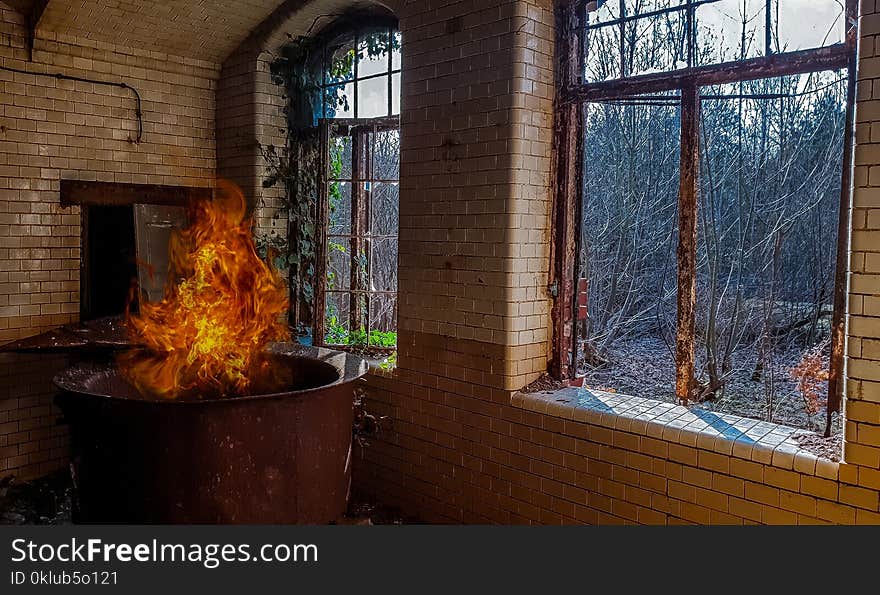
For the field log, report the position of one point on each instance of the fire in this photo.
(223, 304)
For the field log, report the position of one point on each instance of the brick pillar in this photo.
(475, 175)
(862, 405)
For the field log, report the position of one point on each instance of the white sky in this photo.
(803, 23)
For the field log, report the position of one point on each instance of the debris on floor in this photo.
(44, 501)
(48, 500)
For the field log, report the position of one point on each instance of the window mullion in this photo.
(687, 242)
(321, 240)
(844, 223)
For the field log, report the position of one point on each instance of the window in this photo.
(359, 191)
(702, 218)
(361, 75)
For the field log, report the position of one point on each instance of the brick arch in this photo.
(249, 105)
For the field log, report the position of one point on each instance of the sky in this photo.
(804, 23)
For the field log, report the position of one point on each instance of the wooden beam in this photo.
(567, 201)
(76, 192)
(832, 57)
(844, 223)
(322, 220)
(687, 242)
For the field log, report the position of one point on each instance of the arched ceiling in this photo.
(202, 29)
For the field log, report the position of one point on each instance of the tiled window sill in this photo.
(749, 439)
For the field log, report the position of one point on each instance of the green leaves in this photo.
(339, 335)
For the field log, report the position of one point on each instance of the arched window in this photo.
(356, 300)
(361, 73)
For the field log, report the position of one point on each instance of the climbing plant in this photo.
(307, 73)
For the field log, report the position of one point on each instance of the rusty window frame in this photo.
(573, 92)
(360, 237)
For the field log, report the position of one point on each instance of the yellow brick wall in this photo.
(460, 448)
(459, 445)
(475, 167)
(52, 129)
(862, 432)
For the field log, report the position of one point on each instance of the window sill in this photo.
(740, 437)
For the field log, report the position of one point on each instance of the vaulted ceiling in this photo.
(202, 29)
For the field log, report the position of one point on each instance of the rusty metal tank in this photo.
(277, 458)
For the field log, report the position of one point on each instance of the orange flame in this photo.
(222, 306)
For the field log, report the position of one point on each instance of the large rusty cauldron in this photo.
(270, 458)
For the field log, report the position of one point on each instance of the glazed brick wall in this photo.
(52, 129)
(459, 444)
(33, 442)
(862, 432)
(458, 447)
(475, 173)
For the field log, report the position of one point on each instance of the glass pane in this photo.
(730, 30)
(770, 176)
(805, 24)
(628, 265)
(337, 320)
(385, 209)
(655, 44)
(338, 263)
(383, 320)
(339, 61)
(384, 265)
(395, 51)
(340, 158)
(373, 55)
(373, 98)
(386, 156)
(395, 94)
(602, 55)
(650, 44)
(339, 101)
(603, 11)
(339, 207)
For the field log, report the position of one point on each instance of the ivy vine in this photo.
(296, 166)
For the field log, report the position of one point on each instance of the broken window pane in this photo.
(766, 253)
(603, 11)
(383, 320)
(384, 265)
(339, 208)
(655, 44)
(340, 158)
(386, 156)
(338, 318)
(626, 330)
(385, 205)
(730, 30)
(338, 263)
(804, 24)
